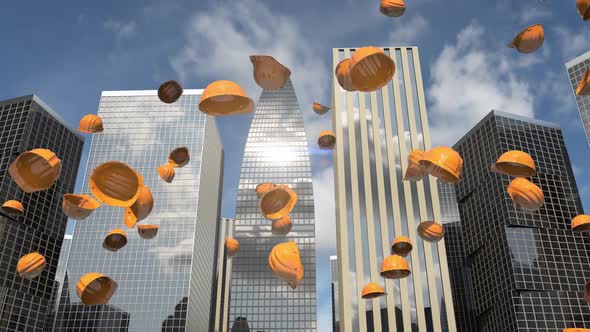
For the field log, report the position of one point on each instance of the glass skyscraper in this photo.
(458, 269)
(334, 286)
(226, 227)
(28, 123)
(164, 283)
(276, 151)
(527, 269)
(575, 70)
(375, 133)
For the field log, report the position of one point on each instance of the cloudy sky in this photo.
(67, 53)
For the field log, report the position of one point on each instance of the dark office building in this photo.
(88, 318)
(27, 123)
(527, 270)
(177, 321)
(458, 270)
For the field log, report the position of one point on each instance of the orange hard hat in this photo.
(319, 108)
(116, 184)
(140, 209)
(35, 170)
(30, 266)
(343, 75)
(282, 226)
(443, 163)
(392, 8)
(115, 240)
(525, 194)
(414, 172)
(225, 98)
(583, 7)
(285, 263)
(431, 231)
(581, 223)
(169, 92)
(529, 39)
(13, 207)
(90, 124)
(372, 290)
(402, 245)
(584, 86)
(269, 74)
(263, 188)
(95, 288)
(278, 202)
(147, 232)
(78, 206)
(166, 172)
(395, 267)
(370, 69)
(232, 246)
(327, 139)
(179, 157)
(515, 163)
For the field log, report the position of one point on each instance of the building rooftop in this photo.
(506, 115)
(577, 60)
(146, 92)
(47, 108)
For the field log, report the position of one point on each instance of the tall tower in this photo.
(172, 274)
(27, 123)
(334, 286)
(276, 151)
(375, 132)
(575, 70)
(528, 270)
(221, 284)
(458, 270)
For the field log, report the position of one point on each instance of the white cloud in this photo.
(175, 257)
(223, 53)
(408, 32)
(572, 43)
(531, 14)
(122, 30)
(561, 95)
(469, 79)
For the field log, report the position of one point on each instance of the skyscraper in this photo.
(458, 269)
(575, 70)
(375, 133)
(276, 151)
(334, 285)
(154, 276)
(28, 123)
(60, 278)
(527, 270)
(226, 228)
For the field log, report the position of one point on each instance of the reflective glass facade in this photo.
(226, 226)
(27, 123)
(334, 285)
(164, 283)
(458, 269)
(375, 133)
(575, 70)
(276, 151)
(527, 270)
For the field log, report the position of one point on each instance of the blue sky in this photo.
(68, 52)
